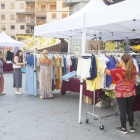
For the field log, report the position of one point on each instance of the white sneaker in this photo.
(18, 93)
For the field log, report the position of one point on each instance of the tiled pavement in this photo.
(24, 117)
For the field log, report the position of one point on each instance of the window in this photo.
(12, 27)
(52, 7)
(63, 5)
(12, 6)
(12, 17)
(3, 27)
(64, 15)
(22, 27)
(21, 5)
(2, 6)
(53, 16)
(2, 17)
(43, 8)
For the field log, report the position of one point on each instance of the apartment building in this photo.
(18, 17)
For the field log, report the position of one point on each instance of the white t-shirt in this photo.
(104, 60)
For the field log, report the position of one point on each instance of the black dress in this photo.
(17, 77)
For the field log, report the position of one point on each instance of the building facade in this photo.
(18, 17)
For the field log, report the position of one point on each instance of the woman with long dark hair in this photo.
(125, 78)
(17, 74)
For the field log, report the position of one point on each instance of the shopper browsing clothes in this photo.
(1, 77)
(17, 74)
(45, 76)
(125, 78)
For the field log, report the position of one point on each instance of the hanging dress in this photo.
(45, 81)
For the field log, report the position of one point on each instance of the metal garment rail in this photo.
(93, 114)
(55, 53)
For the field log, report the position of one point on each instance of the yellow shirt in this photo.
(110, 47)
(95, 83)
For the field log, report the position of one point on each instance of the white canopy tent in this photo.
(5, 40)
(115, 22)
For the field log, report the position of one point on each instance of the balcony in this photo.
(29, 31)
(70, 2)
(27, 0)
(30, 22)
(44, 10)
(40, 21)
(45, 0)
(30, 10)
(20, 21)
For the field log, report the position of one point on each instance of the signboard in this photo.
(77, 50)
(95, 45)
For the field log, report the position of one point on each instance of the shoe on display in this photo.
(120, 129)
(132, 129)
(18, 93)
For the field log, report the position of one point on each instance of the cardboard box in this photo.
(95, 45)
(87, 100)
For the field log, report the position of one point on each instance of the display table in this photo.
(74, 86)
(136, 105)
(7, 67)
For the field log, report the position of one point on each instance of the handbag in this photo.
(16, 67)
(137, 88)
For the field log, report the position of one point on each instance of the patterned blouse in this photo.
(1, 67)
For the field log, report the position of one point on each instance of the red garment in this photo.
(71, 67)
(1, 83)
(123, 88)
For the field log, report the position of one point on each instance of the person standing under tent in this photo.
(17, 74)
(45, 76)
(125, 78)
(1, 77)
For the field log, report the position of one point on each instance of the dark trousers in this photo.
(125, 105)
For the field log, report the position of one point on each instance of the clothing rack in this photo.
(80, 98)
(56, 53)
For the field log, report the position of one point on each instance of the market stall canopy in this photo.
(65, 28)
(115, 22)
(5, 40)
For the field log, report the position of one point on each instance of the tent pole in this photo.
(80, 101)
(34, 70)
(81, 81)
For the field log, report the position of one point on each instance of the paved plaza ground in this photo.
(25, 117)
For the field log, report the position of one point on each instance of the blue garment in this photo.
(1, 67)
(52, 84)
(73, 63)
(136, 58)
(110, 66)
(69, 75)
(64, 68)
(93, 68)
(30, 60)
(29, 85)
(137, 63)
(127, 48)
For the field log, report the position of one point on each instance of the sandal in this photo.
(3, 93)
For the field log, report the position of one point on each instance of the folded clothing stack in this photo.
(69, 75)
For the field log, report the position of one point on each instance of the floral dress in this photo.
(45, 81)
